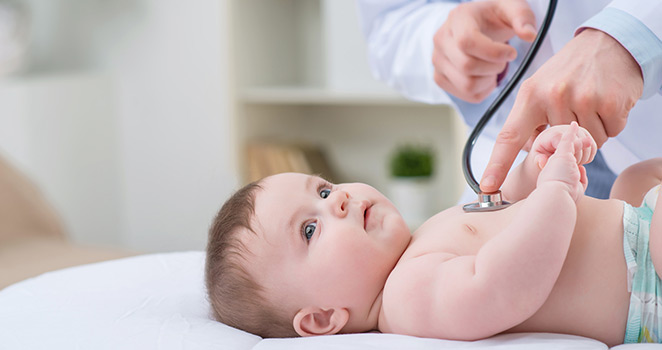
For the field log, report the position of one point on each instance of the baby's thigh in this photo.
(632, 184)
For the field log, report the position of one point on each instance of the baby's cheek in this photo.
(343, 252)
(396, 231)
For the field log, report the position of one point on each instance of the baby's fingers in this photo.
(584, 151)
(587, 155)
(583, 178)
(541, 160)
(580, 151)
(588, 146)
(567, 142)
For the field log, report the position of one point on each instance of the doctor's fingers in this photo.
(603, 116)
(558, 113)
(468, 64)
(472, 89)
(526, 117)
(471, 41)
(613, 112)
(592, 122)
(517, 14)
(466, 87)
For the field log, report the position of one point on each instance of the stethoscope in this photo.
(493, 201)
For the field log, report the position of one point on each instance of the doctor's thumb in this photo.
(521, 19)
(526, 31)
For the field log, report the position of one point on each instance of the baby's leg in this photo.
(632, 184)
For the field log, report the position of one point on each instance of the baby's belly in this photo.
(590, 297)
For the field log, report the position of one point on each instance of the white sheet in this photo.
(158, 302)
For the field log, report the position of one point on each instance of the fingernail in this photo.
(538, 160)
(489, 181)
(530, 28)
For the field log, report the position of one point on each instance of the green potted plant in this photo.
(411, 168)
(412, 161)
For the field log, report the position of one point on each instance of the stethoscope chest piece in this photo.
(487, 202)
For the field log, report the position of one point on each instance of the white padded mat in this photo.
(158, 302)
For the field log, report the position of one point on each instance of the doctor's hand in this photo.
(593, 80)
(470, 48)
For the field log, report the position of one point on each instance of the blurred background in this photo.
(138, 118)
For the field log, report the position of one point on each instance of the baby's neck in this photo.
(376, 312)
(366, 321)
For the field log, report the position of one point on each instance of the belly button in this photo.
(470, 228)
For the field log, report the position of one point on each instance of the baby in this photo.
(295, 255)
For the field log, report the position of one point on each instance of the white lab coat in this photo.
(399, 36)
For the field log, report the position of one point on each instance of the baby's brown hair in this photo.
(236, 298)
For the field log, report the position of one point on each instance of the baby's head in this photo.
(295, 255)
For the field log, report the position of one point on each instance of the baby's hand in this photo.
(547, 142)
(565, 164)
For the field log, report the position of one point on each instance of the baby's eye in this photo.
(325, 193)
(309, 229)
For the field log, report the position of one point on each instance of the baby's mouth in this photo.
(366, 216)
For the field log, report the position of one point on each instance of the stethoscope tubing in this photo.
(498, 101)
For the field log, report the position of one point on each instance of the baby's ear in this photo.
(316, 321)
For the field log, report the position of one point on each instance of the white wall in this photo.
(165, 61)
(62, 130)
(175, 129)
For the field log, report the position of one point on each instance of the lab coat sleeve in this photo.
(399, 36)
(637, 26)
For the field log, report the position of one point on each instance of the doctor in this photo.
(598, 60)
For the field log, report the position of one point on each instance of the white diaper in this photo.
(651, 197)
(644, 323)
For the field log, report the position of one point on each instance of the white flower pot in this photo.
(412, 196)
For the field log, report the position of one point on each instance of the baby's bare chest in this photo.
(458, 233)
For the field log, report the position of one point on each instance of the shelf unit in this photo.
(300, 74)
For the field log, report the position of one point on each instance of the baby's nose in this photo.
(340, 202)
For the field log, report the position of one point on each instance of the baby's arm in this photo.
(473, 297)
(521, 181)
